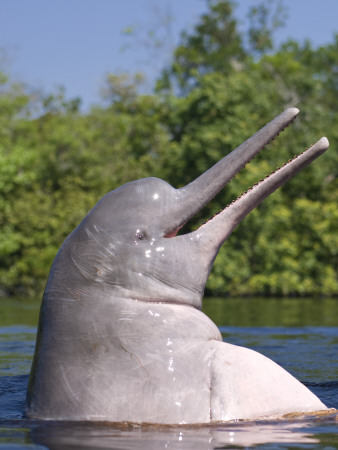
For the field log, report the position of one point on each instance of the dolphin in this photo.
(121, 335)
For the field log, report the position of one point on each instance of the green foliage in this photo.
(215, 44)
(55, 165)
(264, 20)
(54, 168)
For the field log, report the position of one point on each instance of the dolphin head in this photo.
(128, 247)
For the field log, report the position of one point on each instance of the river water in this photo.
(299, 334)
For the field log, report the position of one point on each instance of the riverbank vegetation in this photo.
(222, 85)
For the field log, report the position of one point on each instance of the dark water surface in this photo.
(299, 334)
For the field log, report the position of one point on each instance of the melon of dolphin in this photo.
(121, 336)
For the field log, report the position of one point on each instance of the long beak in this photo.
(218, 229)
(198, 193)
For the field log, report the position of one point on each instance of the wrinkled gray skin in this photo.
(121, 336)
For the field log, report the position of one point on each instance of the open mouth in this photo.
(173, 233)
(201, 191)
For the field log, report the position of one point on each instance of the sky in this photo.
(76, 43)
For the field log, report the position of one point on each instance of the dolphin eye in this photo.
(140, 236)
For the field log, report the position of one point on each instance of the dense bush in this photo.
(55, 165)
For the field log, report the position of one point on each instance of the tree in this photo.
(55, 164)
(218, 108)
(55, 167)
(215, 44)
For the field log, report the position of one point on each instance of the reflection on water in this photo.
(272, 312)
(76, 436)
(103, 436)
(301, 335)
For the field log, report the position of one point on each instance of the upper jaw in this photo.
(194, 196)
